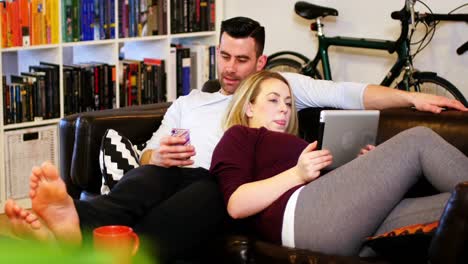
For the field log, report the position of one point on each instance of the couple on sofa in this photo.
(280, 190)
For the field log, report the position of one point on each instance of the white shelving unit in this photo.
(17, 59)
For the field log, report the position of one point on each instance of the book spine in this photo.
(75, 20)
(96, 88)
(48, 21)
(18, 103)
(24, 22)
(164, 15)
(54, 21)
(6, 101)
(204, 15)
(111, 19)
(162, 83)
(185, 16)
(172, 76)
(173, 16)
(212, 70)
(68, 21)
(212, 23)
(186, 65)
(3, 24)
(97, 19)
(15, 23)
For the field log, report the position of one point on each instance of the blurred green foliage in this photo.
(24, 251)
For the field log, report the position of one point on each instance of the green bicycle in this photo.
(411, 79)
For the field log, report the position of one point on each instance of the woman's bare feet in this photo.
(25, 224)
(52, 203)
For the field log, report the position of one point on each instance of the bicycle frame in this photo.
(400, 46)
(412, 80)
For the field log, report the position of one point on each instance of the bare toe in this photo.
(36, 224)
(9, 208)
(50, 171)
(30, 218)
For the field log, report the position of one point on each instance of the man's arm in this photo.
(380, 97)
(347, 95)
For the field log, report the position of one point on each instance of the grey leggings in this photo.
(336, 212)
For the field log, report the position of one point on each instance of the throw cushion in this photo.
(412, 240)
(117, 155)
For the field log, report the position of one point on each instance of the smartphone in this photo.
(181, 132)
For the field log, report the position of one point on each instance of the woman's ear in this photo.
(248, 110)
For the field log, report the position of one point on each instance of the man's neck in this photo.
(222, 91)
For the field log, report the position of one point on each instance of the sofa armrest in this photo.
(67, 139)
(136, 125)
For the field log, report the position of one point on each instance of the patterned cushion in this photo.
(117, 155)
(412, 240)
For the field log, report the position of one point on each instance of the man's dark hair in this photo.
(244, 27)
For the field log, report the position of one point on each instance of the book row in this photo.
(192, 15)
(29, 22)
(88, 20)
(88, 87)
(193, 65)
(35, 95)
(35, 22)
(142, 82)
(142, 18)
(32, 95)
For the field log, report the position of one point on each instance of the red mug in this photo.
(117, 240)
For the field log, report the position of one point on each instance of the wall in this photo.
(360, 18)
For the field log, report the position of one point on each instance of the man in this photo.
(176, 203)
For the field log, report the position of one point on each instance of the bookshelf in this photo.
(17, 59)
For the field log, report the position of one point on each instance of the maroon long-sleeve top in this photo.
(246, 155)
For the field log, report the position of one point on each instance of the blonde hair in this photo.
(247, 92)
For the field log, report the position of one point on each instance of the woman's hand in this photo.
(366, 149)
(311, 162)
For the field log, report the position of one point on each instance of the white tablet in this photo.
(346, 132)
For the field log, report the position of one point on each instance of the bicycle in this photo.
(411, 79)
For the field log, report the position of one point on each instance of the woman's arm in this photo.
(234, 163)
(253, 197)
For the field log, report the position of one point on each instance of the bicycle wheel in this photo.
(430, 83)
(292, 62)
(284, 65)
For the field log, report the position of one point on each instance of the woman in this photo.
(271, 176)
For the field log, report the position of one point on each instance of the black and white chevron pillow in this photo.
(116, 156)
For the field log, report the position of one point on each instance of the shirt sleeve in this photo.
(233, 160)
(171, 119)
(309, 92)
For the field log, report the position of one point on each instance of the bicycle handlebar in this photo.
(462, 48)
(428, 17)
(398, 15)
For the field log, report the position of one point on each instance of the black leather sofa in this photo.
(80, 137)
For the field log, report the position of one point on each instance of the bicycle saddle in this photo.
(310, 11)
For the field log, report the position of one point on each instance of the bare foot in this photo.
(52, 203)
(25, 224)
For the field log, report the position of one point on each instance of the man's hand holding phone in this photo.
(174, 150)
